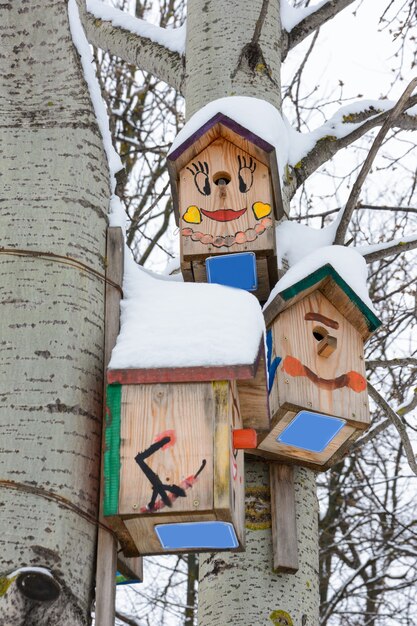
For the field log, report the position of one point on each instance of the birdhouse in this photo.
(226, 195)
(317, 386)
(173, 470)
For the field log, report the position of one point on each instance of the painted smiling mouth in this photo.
(352, 380)
(223, 215)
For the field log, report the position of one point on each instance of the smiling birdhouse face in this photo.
(225, 202)
(226, 196)
(318, 395)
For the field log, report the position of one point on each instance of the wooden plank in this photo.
(253, 397)
(181, 374)
(131, 568)
(283, 518)
(183, 413)
(106, 564)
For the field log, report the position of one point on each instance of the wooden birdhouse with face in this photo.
(173, 475)
(226, 195)
(317, 386)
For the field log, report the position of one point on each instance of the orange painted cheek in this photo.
(356, 382)
(293, 366)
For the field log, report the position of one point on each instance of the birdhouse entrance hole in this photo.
(319, 333)
(222, 178)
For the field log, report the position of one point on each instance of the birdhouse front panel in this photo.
(173, 482)
(318, 391)
(225, 201)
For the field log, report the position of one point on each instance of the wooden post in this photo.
(106, 565)
(283, 519)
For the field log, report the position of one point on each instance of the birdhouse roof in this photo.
(330, 283)
(221, 125)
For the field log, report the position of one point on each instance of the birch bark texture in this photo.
(53, 198)
(234, 48)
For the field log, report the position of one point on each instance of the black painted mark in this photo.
(246, 171)
(158, 487)
(201, 177)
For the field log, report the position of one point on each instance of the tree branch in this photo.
(387, 250)
(408, 361)
(313, 22)
(397, 421)
(126, 619)
(346, 213)
(139, 50)
(326, 147)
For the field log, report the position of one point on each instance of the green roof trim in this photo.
(112, 450)
(323, 272)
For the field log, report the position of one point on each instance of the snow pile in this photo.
(100, 109)
(290, 16)
(258, 116)
(347, 262)
(295, 241)
(173, 39)
(165, 323)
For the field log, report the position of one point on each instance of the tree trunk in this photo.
(234, 48)
(54, 199)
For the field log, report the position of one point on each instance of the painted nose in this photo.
(327, 346)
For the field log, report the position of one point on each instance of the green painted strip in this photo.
(328, 270)
(112, 450)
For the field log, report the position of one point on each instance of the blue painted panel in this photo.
(311, 431)
(203, 535)
(233, 270)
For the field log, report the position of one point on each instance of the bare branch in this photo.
(126, 619)
(327, 147)
(135, 49)
(346, 214)
(397, 421)
(389, 250)
(313, 22)
(408, 361)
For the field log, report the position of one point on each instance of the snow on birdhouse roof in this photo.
(340, 273)
(169, 324)
(253, 119)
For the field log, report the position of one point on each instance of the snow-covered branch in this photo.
(399, 424)
(151, 48)
(384, 250)
(342, 130)
(300, 23)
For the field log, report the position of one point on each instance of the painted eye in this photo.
(247, 167)
(200, 171)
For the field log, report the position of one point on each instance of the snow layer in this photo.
(173, 39)
(87, 61)
(258, 116)
(290, 16)
(347, 262)
(165, 323)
